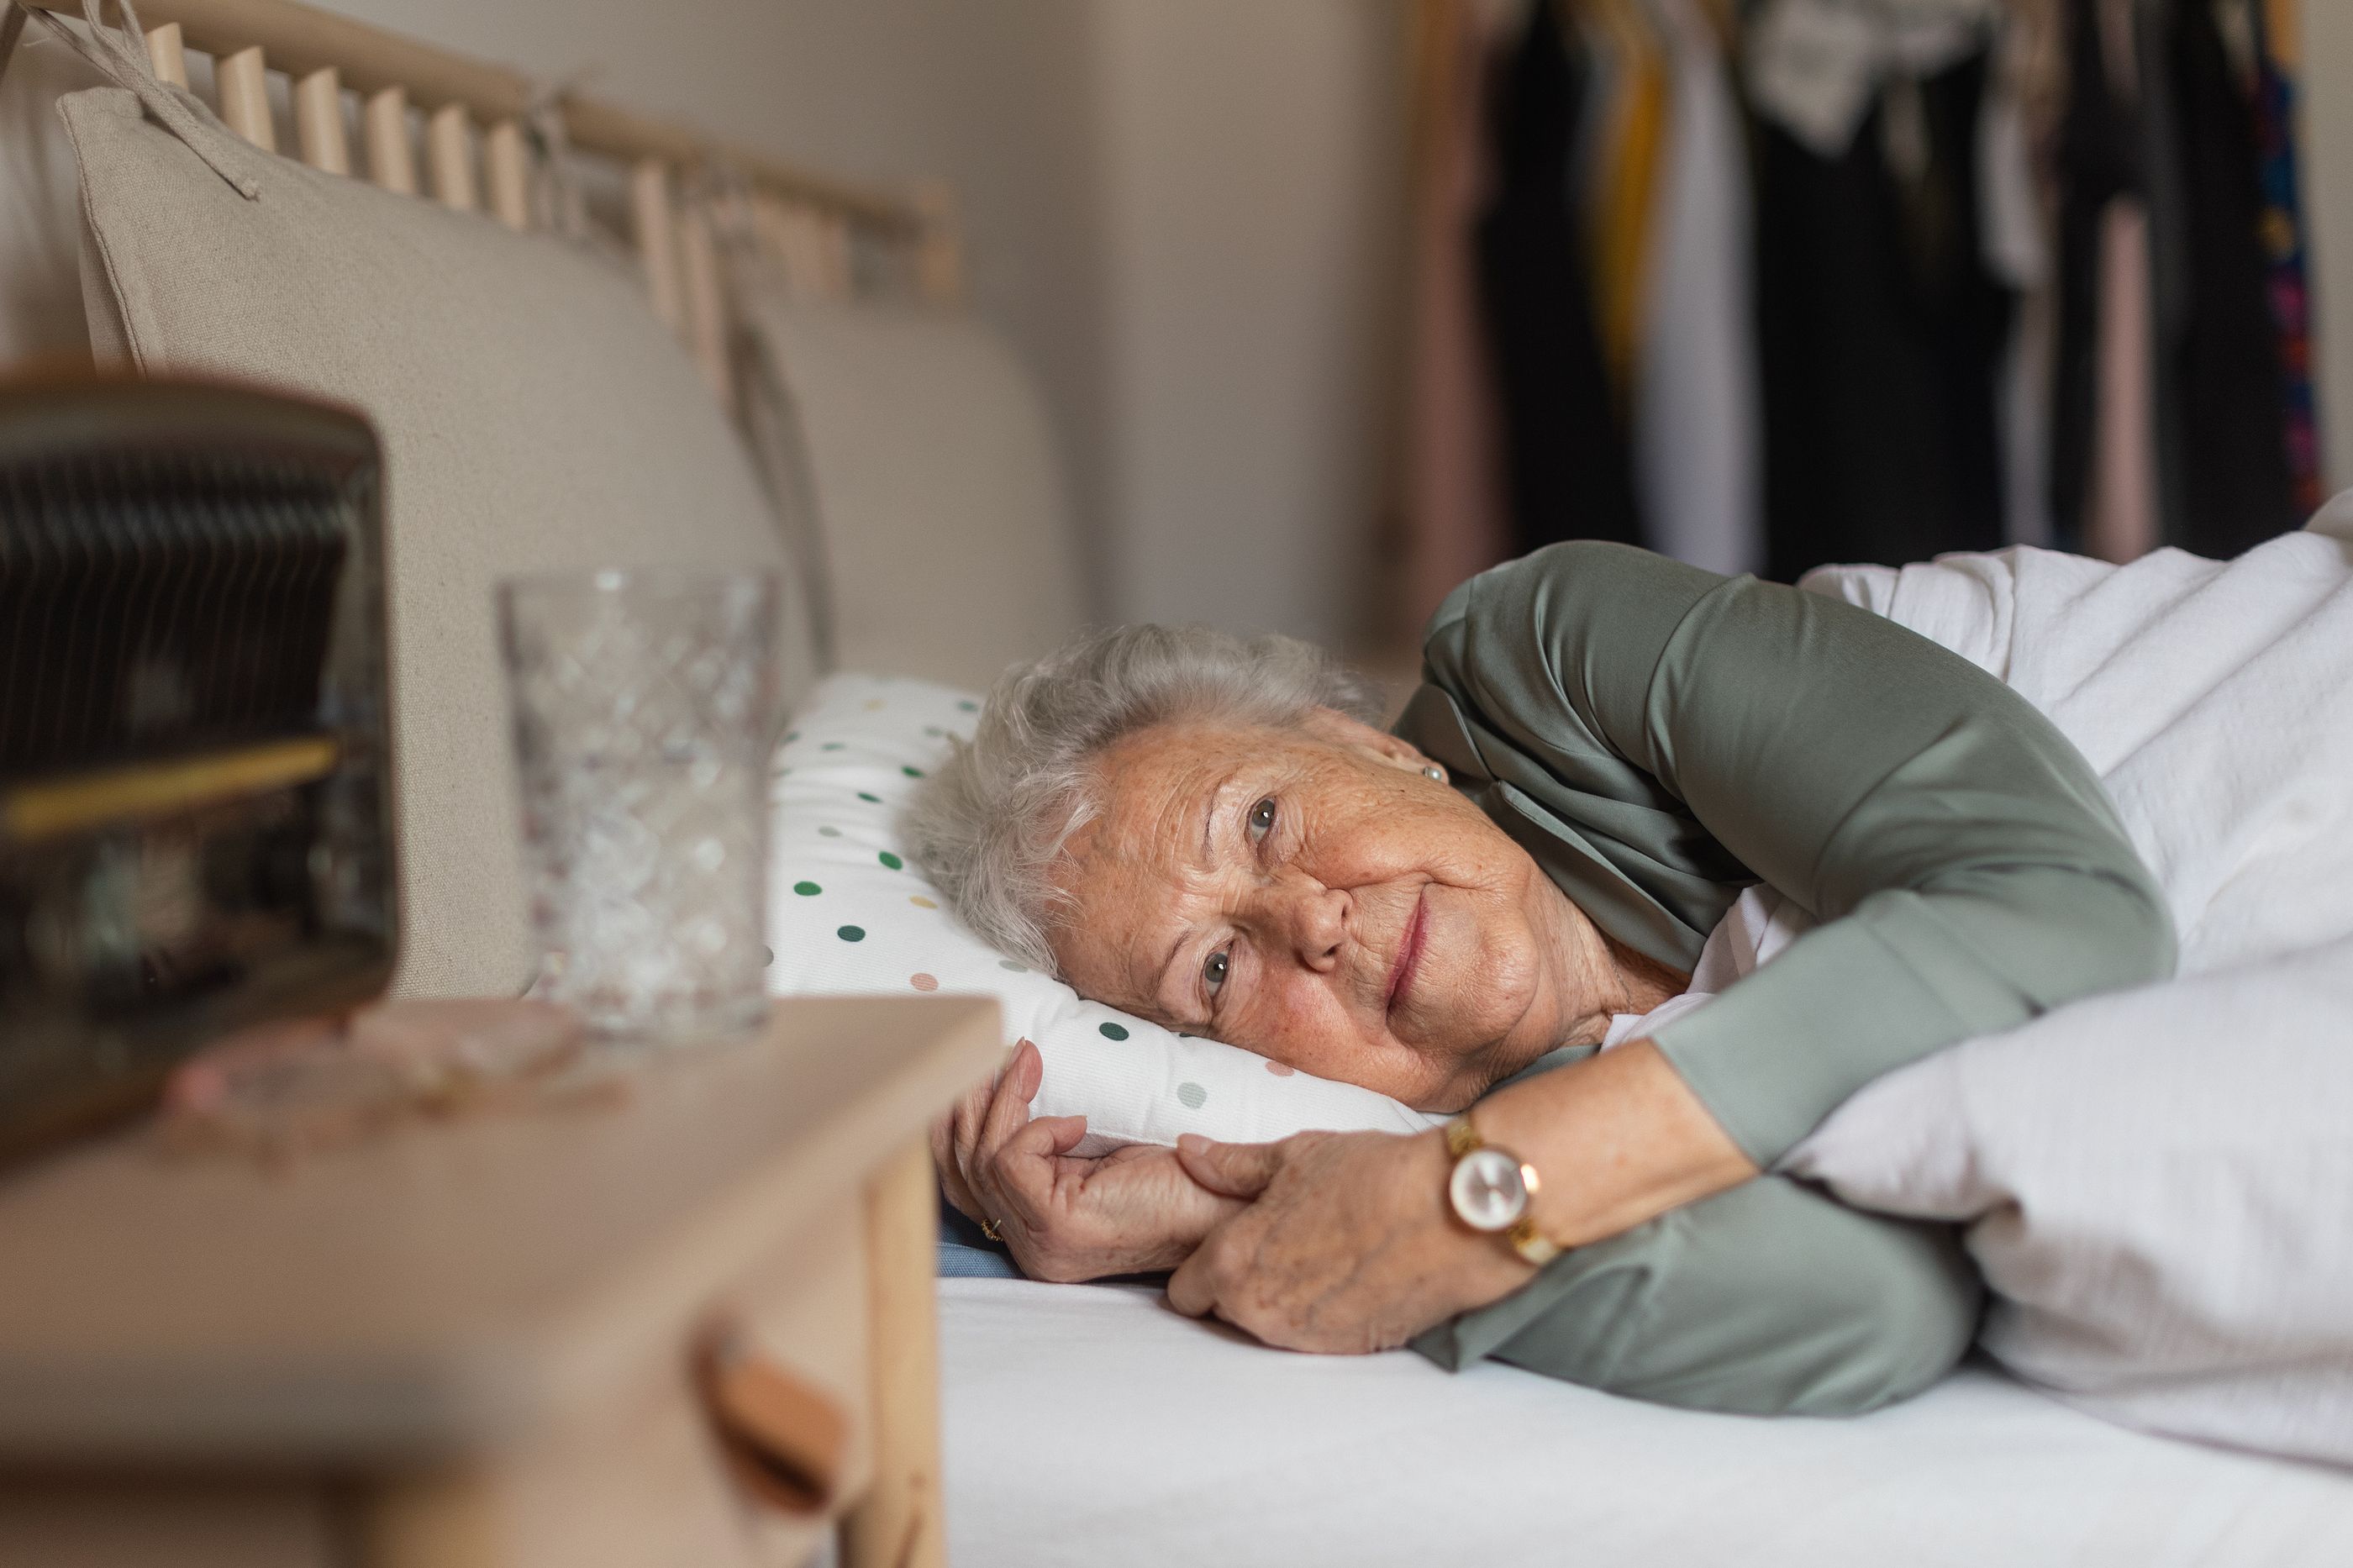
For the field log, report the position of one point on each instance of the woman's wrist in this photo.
(1482, 1264)
(1616, 1139)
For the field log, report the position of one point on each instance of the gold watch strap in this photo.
(1532, 1244)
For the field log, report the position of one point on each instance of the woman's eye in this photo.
(1262, 819)
(1213, 970)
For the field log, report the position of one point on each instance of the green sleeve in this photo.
(1967, 869)
(1766, 1299)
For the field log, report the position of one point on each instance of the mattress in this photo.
(1088, 1424)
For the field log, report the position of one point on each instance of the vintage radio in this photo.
(195, 811)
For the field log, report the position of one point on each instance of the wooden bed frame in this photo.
(484, 140)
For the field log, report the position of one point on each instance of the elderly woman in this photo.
(1607, 748)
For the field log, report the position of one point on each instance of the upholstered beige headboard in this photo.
(476, 136)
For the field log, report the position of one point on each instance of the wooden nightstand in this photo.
(477, 1342)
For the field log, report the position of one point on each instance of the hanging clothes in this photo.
(2104, 423)
(2278, 67)
(2222, 361)
(1567, 474)
(2020, 114)
(1881, 332)
(2120, 521)
(1697, 419)
(1454, 518)
(1628, 133)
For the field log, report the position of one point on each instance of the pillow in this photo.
(847, 913)
(534, 413)
(925, 456)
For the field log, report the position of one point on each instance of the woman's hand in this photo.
(1346, 1246)
(1066, 1219)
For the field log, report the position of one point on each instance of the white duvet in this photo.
(2158, 1183)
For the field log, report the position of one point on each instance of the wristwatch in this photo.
(1492, 1189)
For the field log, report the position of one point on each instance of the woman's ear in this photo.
(1331, 724)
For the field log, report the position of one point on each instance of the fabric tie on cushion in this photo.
(773, 419)
(555, 197)
(121, 54)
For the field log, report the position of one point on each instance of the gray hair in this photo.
(988, 825)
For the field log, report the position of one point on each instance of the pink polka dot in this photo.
(923, 982)
(1278, 1069)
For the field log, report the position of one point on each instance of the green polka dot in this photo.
(969, 707)
(912, 773)
(792, 734)
(890, 860)
(1192, 1094)
(936, 732)
(829, 832)
(1112, 1031)
(807, 890)
(875, 798)
(830, 746)
(1017, 968)
(852, 933)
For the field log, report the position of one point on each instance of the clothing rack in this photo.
(807, 221)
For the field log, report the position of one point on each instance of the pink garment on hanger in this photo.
(2121, 522)
(1454, 525)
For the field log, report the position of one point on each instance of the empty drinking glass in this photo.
(643, 703)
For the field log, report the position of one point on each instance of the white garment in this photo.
(1696, 424)
(1816, 66)
(1760, 923)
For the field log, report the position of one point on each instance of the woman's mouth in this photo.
(1408, 953)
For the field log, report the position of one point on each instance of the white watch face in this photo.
(1487, 1190)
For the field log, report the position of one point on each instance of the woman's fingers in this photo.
(1236, 1170)
(1193, 1289)
(993, 1124)
(1022, 1169)
(1008, 1110)
(952, 1177)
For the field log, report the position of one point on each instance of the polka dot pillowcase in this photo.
(849, 913)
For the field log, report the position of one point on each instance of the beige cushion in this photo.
(535, 416)
(945, 517)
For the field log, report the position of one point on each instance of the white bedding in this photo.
(2158, 1183)
(1088, 1425)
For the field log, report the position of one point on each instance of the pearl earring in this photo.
(1434, 771)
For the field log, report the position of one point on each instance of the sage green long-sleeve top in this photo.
(1659, 738)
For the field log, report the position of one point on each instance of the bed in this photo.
(1088, 1424)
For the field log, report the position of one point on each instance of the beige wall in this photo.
(1252, 162)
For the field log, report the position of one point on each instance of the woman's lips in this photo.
(1408, 954)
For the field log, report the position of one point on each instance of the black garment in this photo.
(1880, 335)
(2224, 362)
(1567, 473)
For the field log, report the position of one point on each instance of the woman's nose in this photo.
(1314, 919)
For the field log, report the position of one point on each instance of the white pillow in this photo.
(847, 913)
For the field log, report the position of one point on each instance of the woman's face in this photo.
(1310, 895)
